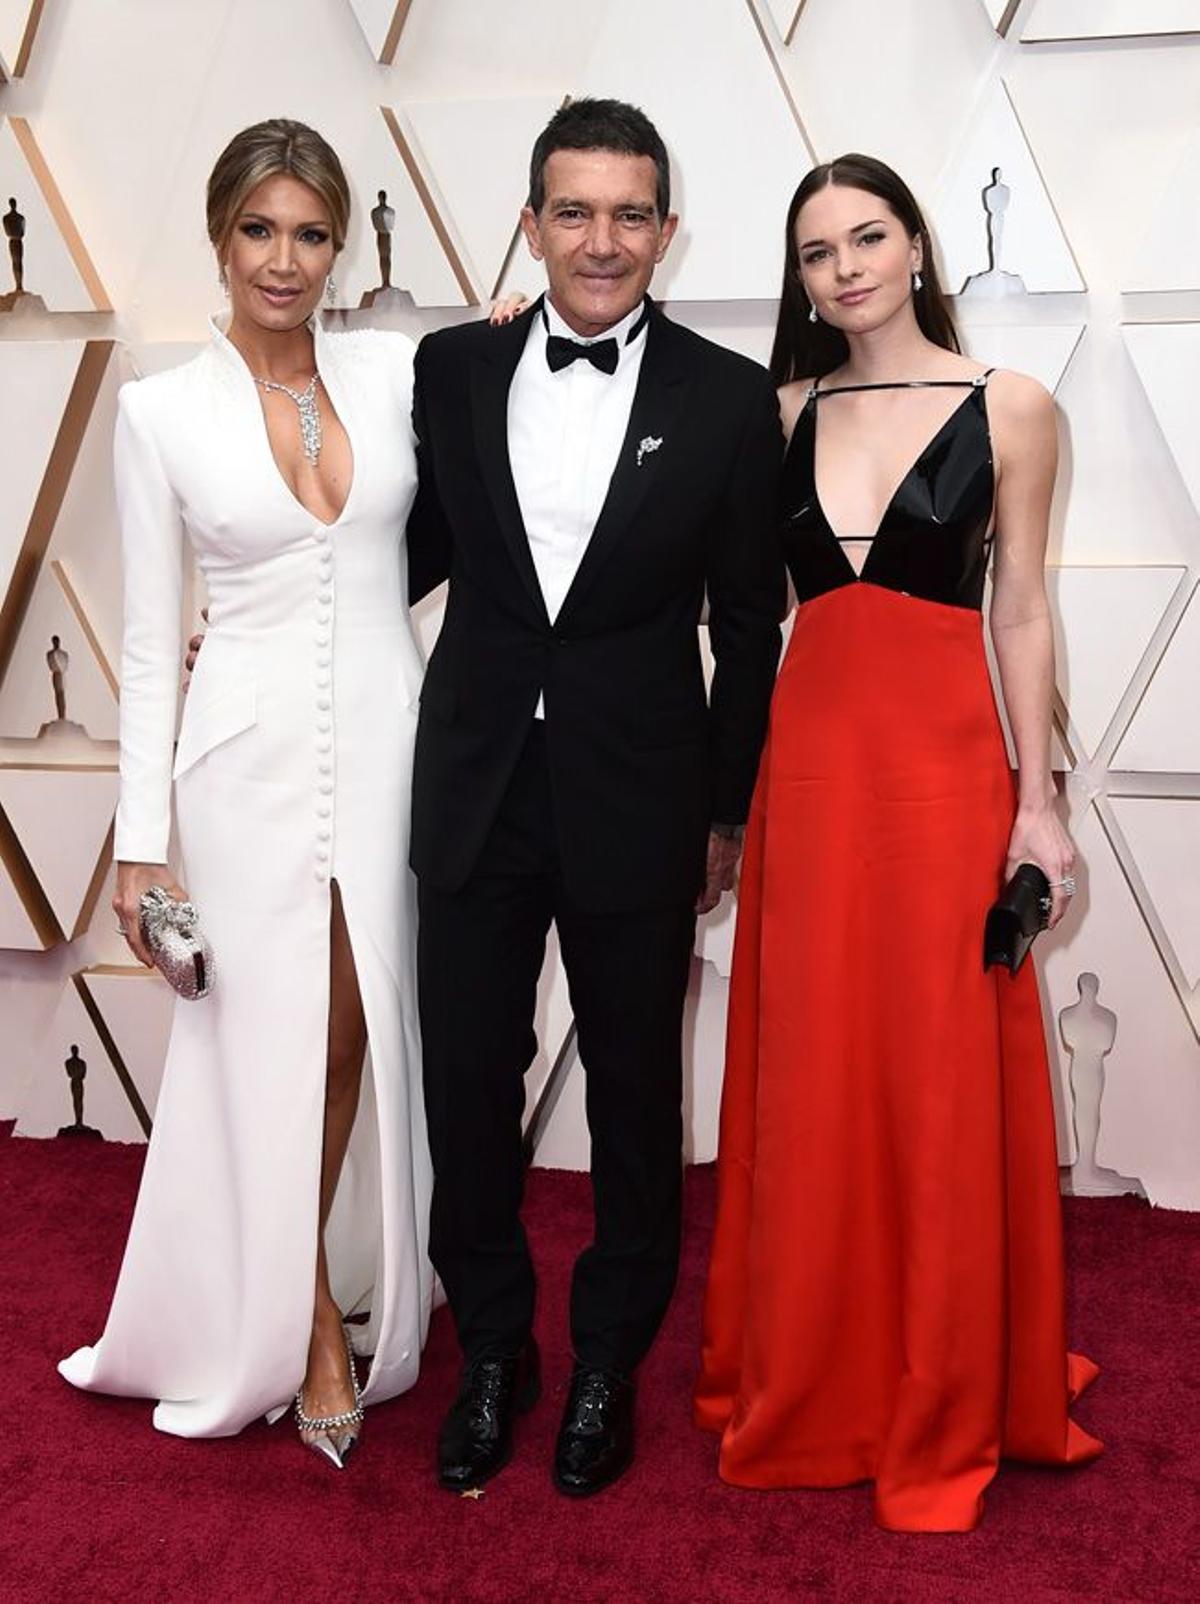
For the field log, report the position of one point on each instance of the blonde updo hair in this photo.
(259, 152)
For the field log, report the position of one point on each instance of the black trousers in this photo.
(480, 951)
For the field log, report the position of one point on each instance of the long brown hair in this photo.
(803, 349)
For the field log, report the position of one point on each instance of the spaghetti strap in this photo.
(905, 384)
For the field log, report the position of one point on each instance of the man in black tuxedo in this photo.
(588, 474)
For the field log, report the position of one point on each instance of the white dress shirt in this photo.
(564, 436)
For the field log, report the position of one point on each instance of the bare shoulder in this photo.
(792, 397)
(1019, 402)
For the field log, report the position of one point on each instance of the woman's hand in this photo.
(193, 650)
(1039, 837)
(132, 880)
(503, 311)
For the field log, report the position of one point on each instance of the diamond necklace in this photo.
(306, 405)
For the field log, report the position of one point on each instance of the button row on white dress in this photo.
(324, 706)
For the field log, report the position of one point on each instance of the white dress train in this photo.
(292, 770)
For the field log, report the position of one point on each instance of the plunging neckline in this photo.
(859, 576)
(287, 489)
(339, 413)
(871, 541)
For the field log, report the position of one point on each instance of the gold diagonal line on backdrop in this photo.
(114, 1054)
(512, 244)
(1004, 22)
(65, 768)
(789, 33)
(84, 622)
(1143, 675)
(784, 87)
(23, 50)
(62, 217)
(28, 887)
(387, 52)
(1049, 193)
(31, 27)
(53, 489)
(470, 295)
(21, 60)
(91, 896)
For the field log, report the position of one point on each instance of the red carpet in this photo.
(95, 1505)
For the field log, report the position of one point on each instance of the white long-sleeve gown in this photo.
(293, 769)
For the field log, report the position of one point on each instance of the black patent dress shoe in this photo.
(595, 1440)
(476, 1436)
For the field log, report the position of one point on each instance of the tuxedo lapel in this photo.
(491, 379)
(646, 451)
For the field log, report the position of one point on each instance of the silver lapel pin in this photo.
(646, 446)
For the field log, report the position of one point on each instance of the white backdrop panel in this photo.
(16, 927)
(1043, 351)
(483, 182)
(1162, 833)
(736, 151)
(132, 102)
(1109, 19)
(848, 59)
(1093, 664)
(1162, 737)
(1151, 1109)
(1033, 245)
(35, 381)
(1167, 358)
(27, 692)
(46, 1106)
(49, 268)
(38, 802)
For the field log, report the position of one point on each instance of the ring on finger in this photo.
(1066, 885)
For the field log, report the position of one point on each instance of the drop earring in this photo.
(223, 282)
(918, 282)
(330, 290)
(812, 314)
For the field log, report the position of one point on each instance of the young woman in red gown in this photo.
(885, 1300)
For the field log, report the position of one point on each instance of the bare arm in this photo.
(1026, 439)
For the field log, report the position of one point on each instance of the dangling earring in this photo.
(330, 290)
(812, 314)
(918, 282)
(223, 282)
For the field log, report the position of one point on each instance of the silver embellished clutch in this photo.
(181, 954)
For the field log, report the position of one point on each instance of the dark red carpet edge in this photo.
(95, 1505)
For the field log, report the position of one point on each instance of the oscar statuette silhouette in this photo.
(76, 1069)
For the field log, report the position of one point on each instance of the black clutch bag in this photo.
(1020, 911)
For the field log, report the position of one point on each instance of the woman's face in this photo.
(856, 258)
(279, 255)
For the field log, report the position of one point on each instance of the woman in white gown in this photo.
(289, 1153)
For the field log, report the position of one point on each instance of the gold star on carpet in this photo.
(472, 1492)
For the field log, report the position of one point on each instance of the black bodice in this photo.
(933, 540)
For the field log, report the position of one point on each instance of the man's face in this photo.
(599, 235)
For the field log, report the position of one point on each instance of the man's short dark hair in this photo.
(612, 125)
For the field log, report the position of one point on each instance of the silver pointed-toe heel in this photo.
(334, 1437)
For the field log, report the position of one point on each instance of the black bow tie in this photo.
(561, 352)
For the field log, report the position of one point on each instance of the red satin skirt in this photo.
(885, 1299)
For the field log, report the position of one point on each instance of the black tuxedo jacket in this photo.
(640, 762)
